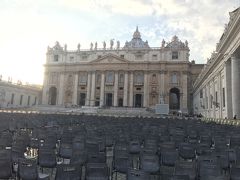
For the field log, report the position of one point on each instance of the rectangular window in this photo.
(71, 58)
(21, 98)
(154, 57)
(84, 57)
(211, 101)
(83, 78)
(110, 77)
(35, 101)
(206, 102)
(55, 58)
(12, 99)
(216, 97)
(201, 93)
(122, 56)
(223, 96)
(138, 57)
(174, 55)
(99, 56)
(29, 98)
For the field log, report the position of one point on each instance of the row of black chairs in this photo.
(142, 148)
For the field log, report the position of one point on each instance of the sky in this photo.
(28, 27)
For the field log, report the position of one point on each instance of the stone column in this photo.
(184, 93)
(45, 89)
(61, 90)
(115, 99)
(219, 82)
(235, 86)
(145, 90)
(214, 99)
(131, 90)
(125, 90)
(88, 89)
(208, 100)
(228, 89)
(75, 90)
(92, 101)
(102, 89)
(162, 88)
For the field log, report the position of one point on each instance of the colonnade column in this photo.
(145, 90)
(102, 89)
(45, 89)
(228, 89)
(162, 88)
(115, 99)
(131, 90)
(88, 89)
(184, 93)
(125, 90)
(61, 89)
(75, 90)
(92, 100)
(235, 86)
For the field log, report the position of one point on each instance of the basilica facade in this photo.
(134, 75)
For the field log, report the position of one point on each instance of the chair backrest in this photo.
(134, 174)
(68, 171)
(27, 169)
(97, 170)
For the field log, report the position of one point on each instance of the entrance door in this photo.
(120, 102)
(52, 96)
(82, 99)
(174, 99)
(109, 99)
(138, 100)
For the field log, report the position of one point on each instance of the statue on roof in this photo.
(78, 47)
(186, 43)
(65, 47)
(118, 44)
(91, 46)
(95, 46)
(111, 43)
(104, 45)
(163, 43)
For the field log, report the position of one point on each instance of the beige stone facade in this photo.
(217, 89)
(18, 95)
(135, 75)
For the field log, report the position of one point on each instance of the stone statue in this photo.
(186, 43)
(95, 46)
(65, 47)
(126, 44)
(111, 43)
(78, 47)
(118, 44)
(163, 43)
(91, 46)
(161, 100)
(146, 43)
(0, 77)
(104, 45)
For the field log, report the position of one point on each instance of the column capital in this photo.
(163, 72)
(234, 56)
(185, 72)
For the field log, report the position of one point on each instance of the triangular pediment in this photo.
(109, 59)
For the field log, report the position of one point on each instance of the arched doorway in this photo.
(174, 99)
(52, 96)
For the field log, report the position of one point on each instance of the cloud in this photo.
(28, 27)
